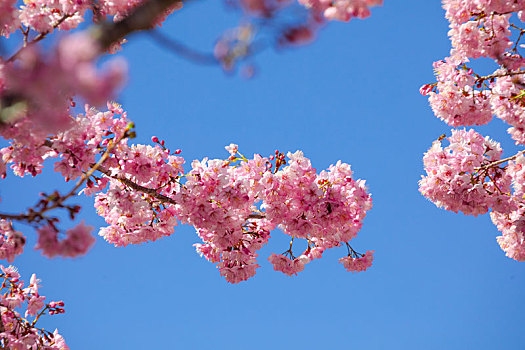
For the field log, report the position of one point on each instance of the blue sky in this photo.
(439, 280)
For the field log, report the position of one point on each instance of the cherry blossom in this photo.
(11, 242)
(21, 332)
(469, 174)
(358, 264)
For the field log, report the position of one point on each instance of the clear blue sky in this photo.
(439, 280)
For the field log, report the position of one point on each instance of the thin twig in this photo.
(149, 191)
(38, 37)
(498, 162)
(153, 192)
(499, 75)
(183, 50)
(31, 215)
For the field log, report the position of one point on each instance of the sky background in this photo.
(439, 279)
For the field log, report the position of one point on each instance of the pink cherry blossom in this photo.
(459, 176)
(358, 264)
(468, 175)
(11, 242)
(23, 333)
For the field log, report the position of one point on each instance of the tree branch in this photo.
(152, 192)
(59, 200)
(141, 18)
(183, 50)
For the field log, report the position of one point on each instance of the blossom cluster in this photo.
(460, 178)
(512, 224)
(41, 86)
(358, 263)
(220, 199)
(11, 242)
(342, 10)
(77, 242)
(76, 150)
(142, 192)
(468, 175)
(17, 331)
(480, 29)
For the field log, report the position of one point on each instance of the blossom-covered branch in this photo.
(466, 175)
(20, 332)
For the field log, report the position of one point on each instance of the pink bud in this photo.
(425, 89)
(178, 151)
(155, 139)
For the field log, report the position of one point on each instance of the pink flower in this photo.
(34, 305)
(358, 264)
(77, 242)
(11, 242)
(232, 149)
(287, 266)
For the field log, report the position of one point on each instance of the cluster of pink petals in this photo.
(218, 200)
(341, 10)
(77, 242)
(134, 217)
(76, 147)
(459, 177)
(21, 333)
(11, 242)
(47, 82)
(461, 11)
(486, 37)
(233, 204)
(507, 105)
(221, 201)
(3, 168)
(516, 170)
(479, 28)
(512, 227)
(456, 102)
(9, 20)
(44, 16)
(456, 181)
(512, 224)
(288, 266)
(328, 207)
(358, 264)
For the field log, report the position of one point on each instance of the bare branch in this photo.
(183, 50)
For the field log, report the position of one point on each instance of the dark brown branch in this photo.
(149, 191)
(500, 75)
(152, 192)
(141, 18)
(501, 161)
(183, 50)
